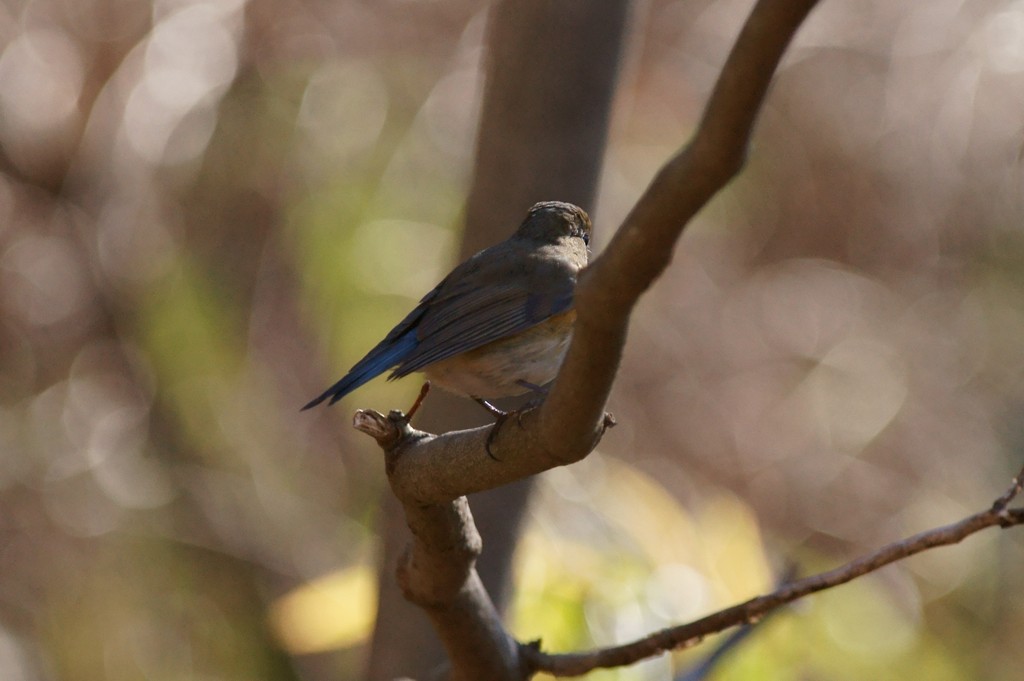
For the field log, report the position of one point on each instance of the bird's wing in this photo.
(386, 354)
(462, 316)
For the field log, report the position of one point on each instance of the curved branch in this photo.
(688, 635)
(430, 474)
(572, 419)
(642, 247)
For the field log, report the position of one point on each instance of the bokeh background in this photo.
(210, 208)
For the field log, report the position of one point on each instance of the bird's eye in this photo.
(581, 233)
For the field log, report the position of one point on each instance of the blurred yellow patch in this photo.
(335, 611)
(611, 555)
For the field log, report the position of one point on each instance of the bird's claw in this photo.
(498, 422)
(500, 416)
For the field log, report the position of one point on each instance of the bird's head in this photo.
(552, 220)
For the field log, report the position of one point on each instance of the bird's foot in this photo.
(501, 416)
(537, 390)
(498, 423)
(491, 409)
(540, 393)
(419, 400)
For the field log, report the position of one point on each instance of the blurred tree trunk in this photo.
(551, 73)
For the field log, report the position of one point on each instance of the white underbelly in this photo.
(502, 368)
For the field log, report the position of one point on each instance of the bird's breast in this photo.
(497, 368)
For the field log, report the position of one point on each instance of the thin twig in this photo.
(688, 635)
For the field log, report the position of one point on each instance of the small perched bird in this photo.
(499, 324)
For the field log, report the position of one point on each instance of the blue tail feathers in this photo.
(386, 355)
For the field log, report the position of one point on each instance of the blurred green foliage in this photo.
(210, 209)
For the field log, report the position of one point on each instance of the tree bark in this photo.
(551, 74)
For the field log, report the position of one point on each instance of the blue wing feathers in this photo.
(387, 354)
(462, 323)
(495, 294)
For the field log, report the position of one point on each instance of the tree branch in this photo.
(642, 247)
(688, 635)
(438, 569)
(542, 131)
(571, 421)
(430, 474)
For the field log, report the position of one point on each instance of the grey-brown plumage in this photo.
(499, 323)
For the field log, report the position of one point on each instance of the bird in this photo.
(499, 324)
